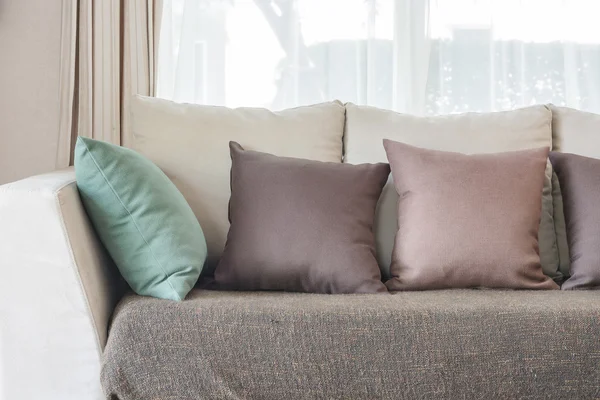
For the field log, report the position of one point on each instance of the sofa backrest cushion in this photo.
(470, 133)
(190, 143)
(575, 131)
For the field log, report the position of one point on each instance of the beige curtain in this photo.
(108, 54)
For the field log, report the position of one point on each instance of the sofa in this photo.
(72, 329)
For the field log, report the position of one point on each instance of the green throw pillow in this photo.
(141, 218)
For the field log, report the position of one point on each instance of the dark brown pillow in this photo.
(301, 225)
(579, 179)
(467, 220)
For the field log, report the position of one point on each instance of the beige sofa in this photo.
(59, 290)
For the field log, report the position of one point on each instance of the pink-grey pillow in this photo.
(579, 179)
(467, 220)
(301, 225)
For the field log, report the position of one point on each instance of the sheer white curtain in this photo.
(418, 56)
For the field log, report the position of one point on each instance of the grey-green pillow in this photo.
(141, 218)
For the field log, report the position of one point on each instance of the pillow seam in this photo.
(132, 219)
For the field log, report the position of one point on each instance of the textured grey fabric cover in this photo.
(455, 344)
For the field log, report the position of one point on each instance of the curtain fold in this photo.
(68, 51)
(412, 47)
(108, 53)
(141, 29)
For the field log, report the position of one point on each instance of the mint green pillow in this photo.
(141, 218)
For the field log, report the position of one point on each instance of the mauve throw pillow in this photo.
(467, 220)
(301, 225)
(579, 179)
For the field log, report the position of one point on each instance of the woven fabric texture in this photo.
(453, 344)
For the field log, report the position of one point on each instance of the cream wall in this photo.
(30, 35)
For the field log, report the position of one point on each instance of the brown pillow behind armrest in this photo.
(579, 179)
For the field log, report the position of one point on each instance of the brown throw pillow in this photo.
(579, 179)
(467, 220)
(301, 225)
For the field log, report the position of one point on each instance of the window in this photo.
(425, 57)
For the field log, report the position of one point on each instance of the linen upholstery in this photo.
(58, 290)
(575, 131)
(580, 181)
(467, 220)
(469, 133)
(301, 225)
(190, 143)
(454, 344)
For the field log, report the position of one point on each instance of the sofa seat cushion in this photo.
(434, 344)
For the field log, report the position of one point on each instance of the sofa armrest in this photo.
(58, 288)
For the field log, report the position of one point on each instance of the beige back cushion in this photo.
(575, 131)
(190, 143)
(471, 133)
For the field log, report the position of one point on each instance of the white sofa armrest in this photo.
(58, 288)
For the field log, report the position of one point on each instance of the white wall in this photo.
(30, 33)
